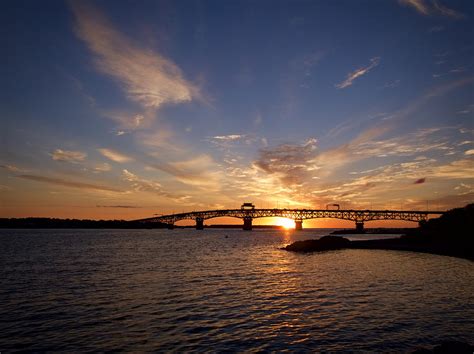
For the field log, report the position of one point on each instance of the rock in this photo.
(448, 347)
(325, 243)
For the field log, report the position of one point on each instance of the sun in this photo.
(286, 223)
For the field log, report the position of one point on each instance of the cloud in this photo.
(459, 169)
(105, 167)
(452, 71)
(346, 152)
(358, 73)
(139, 184)
(66, 183)
(433, 7)
(389, 181)
(115, 156)
(12, 168)
(418, 5)
(436, 29)
(199, 171)
(392, 84)
(443, 10)
(68, 156)
(146, 76)
(229, 143)
(142, 185)
(290, 163)
(163, 138)
(231, 137)
(303, 173)
(127, 121)
(469, 152)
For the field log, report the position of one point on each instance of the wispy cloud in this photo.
(229, 142)
(104, 167)
(68, 156)
(200, 171)
(230, 137)
(358, 73)
(430, 8)
(163, 139)
(146, 76)
(12, 168)
(67, 183)
(127, 121)
(418, 5)
(445, 11)
(469, 152)
(392, 84)
(142, 185)
(436, 29)
(115, 156)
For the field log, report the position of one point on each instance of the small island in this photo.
(449, 235)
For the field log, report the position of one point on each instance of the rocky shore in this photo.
(449, 235)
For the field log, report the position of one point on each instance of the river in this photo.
(223, 290)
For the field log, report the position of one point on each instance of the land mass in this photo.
(52, 223)
(377, 230)
(450, 235)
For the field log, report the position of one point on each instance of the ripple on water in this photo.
(183, 290)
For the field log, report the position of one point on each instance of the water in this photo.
(142, 290)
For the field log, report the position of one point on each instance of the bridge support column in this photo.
(298, 225)
(247, 223)
(199, 224)
(360, 227)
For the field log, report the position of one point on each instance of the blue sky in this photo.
(123, 109)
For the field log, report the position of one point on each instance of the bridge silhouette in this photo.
(298, 215)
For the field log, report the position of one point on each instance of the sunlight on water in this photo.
(142, 290)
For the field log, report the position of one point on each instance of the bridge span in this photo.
(298, 215)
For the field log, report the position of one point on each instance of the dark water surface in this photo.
(136, 290)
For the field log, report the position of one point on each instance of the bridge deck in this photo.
(298, 214)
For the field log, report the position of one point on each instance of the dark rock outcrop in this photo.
(449, 347)
(325, 243)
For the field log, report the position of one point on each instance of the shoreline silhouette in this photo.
(448, 235)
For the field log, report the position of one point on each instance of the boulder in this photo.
(325, 243)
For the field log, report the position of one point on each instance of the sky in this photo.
(123, 109)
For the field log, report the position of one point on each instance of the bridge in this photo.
(298, 215)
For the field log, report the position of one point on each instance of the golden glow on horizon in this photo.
(285, 223)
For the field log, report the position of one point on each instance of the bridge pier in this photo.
(247, 223)
(298, 225)
(199, 224)
(360, 227)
